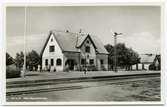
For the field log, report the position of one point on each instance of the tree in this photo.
(19, 60)
(110, 50)
(33, 59)
(132, 58)
(126, 57)
(9, 59)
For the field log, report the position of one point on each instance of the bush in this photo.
(66, 68)
(12, 71)
(92, 68)
(152, 67)
(103, 68)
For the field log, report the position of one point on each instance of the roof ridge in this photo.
(69, 32)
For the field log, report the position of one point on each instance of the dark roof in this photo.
(158, 57)
(69, 41)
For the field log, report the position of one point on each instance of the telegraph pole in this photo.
(25, 29)
(115, 50)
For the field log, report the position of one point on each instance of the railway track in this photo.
(73, 80)
(113, 80)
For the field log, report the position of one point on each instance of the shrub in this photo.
(92, 68)
(12, 71)
(152, 67)
(103, 68)
(66, 68)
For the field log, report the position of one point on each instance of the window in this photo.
(87, 49)
(51, 39)
(58, 62)
(46, 62)
(52, 62)
(83, 61)
(102, 62)
(91, 61)
(51, 48)
(87, 42)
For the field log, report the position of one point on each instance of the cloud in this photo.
(143, 42)
(33, 42)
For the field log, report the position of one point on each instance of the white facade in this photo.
(141, 66)
(88, 55)
(47, 55)
(85, 56)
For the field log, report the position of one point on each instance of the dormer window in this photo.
(52, 48)
(87, 49)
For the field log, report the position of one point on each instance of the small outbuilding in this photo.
(148, 62)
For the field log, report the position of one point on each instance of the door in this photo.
(70, 63)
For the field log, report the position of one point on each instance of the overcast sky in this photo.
(140, 25)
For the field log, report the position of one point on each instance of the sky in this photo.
(140, 25)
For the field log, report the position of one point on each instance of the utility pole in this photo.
(25, 29)
(115, 50)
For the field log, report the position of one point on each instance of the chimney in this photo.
(67, 31)
(80, 30)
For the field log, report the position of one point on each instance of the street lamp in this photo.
(115, 34)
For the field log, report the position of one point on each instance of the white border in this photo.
(155, 3)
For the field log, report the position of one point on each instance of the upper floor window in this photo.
(87, 49)
(52, 48)
(58, 62)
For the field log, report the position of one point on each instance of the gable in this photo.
(88, 38)
(51, 41)
(71, 42)
(88, 43)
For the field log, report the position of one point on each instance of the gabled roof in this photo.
(80, 43)
(147, 58)
(99, 45)
(66, 40)
(80, 39)
(158, 58)
(71, 42)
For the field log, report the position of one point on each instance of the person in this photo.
(39, 68)
(22, 73)
(85, 70)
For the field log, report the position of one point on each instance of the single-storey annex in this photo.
(75, 51)
(148, 60)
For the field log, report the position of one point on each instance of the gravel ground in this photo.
(142, 90)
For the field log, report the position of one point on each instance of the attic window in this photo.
(51, 39)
